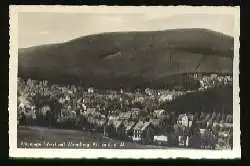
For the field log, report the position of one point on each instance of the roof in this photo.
(92, 111)
(89, 109)
(101, 122)
(138, 125)
(46, 108)
(117, 123)
(141, 126)
(228, 124)
(96, 121)
(91, 120)
(128, 125)
(113, 117)
(189, 116)
(135, 109)
(125, 115)
(145, 125)
(161, 138)
(156, 122)
(159, 112)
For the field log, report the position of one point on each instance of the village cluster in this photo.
(128, 116)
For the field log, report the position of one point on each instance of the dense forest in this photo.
(218, 99)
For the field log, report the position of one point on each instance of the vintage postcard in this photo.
(124, 82)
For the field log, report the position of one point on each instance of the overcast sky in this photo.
(42, 27)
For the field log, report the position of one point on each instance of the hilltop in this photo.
(129, 59)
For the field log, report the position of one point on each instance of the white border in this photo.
(116, 153)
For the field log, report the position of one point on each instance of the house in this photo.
(125, 115)
(158, 125)
(92, 112)
(213, 75)
(143, 114)
(90, 90)
(143, 132)
(119, 128)
(30, 114)
(115, 128)
(137, 131)
(113, 118)
(95, 123)
(129, 128)
(67, 98)
(197, 75)
(100, 123)
(91, 109)
(135, 110)
(161, 139)
(168, 97)
(23, 102)
(44, 109)
(135, 113)
(148, 91)
(139, 99)
(84, 107)
(229, 118)
(185, 120)
(228, 125)
(61, 100)
(161, 113)
(73, 114)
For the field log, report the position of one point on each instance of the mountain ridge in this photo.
(129, 58)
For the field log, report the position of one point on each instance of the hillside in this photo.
(214, 99)
(129, 59)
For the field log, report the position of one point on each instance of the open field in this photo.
(40, 137)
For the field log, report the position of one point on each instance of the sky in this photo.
(36, 28)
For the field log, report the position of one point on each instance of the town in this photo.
(144, 116)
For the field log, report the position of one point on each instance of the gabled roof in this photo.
(141, 126)
(145, 125)
(117, 123)
(128, 125)
(138, 125)
(101, 122)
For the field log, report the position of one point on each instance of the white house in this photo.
(168, 97)
(90, 90)
(160, 139)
